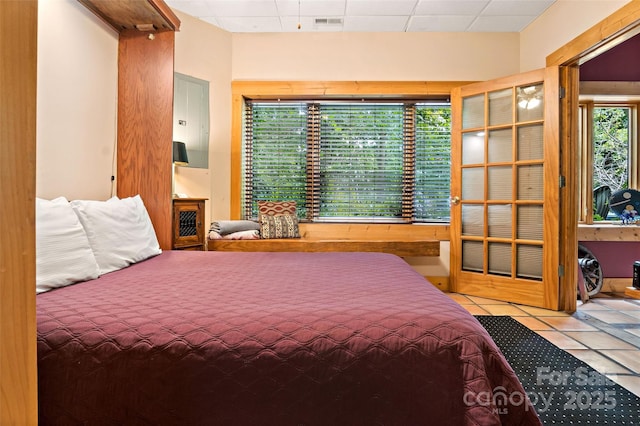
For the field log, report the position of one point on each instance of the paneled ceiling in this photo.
(365, 15)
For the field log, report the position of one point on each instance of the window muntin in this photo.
(349, 161)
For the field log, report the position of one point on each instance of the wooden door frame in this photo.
(608, 33)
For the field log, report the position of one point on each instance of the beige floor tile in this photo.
(593, 306)
(628, 359)
(634, 331)
(631, 304)
(560, 339)
(568, 324)
(630, 383)
(539, 312)
(475, 310)
(599, 362)
(613, 317)
(617, 304)
(634, 314)
(599, 340)
(483, 301)
(532, 323)
(609, 295)
(460, 298)
(510, 310)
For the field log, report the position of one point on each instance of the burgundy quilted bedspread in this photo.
(218, 338)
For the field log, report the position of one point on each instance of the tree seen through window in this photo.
(345, 161)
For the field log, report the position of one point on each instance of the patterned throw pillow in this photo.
(282, 226)
(276, 208)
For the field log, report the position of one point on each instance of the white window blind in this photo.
(275, 154)
(433, 162)
(361, 153)
(349, 161)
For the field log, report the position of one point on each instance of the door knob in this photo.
(455, 200)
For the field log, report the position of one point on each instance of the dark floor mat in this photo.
(563, 389)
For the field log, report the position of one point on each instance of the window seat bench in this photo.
(399, 239)
(400, 248)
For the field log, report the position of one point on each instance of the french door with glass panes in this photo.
(505, 189)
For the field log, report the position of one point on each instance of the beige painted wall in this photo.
(374, 56)
(77, 98)
(561, 23)
(204, 51)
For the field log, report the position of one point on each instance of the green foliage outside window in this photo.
(610, 153)
(279, 154)
(361, 153)
(433, 162)
(350, 161)
(611, 147)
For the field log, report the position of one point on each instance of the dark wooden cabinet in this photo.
(188, 224)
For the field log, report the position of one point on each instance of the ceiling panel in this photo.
(380, 7)
(244, 8)
(440, 23)
(375, 23)
(449, 7)
(490, 23)
(365, 15)
(311, 8)
(516, 7)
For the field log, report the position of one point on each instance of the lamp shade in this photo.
(180, 153)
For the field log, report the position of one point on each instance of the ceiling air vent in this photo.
(327, 21)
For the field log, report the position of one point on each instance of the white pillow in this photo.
(63, 254)
(120, 231)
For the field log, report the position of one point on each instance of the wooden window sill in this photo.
(608, 232)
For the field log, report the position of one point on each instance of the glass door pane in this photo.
(473, 183)
(500, 107)
(502, 182)
(530, 146)
(530, 102)
(500, 259)
(500, 145)
(499, 221)
(473, 220)
(473, 112)
(473, 148)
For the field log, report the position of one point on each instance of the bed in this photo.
(253, 338)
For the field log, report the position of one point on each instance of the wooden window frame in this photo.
(295, 90)
(406, 192)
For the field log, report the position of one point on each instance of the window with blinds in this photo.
(349, 161)
(432, 162)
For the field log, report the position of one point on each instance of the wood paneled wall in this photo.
(18, 57)
(145, 129)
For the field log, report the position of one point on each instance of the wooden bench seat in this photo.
(401, 240)
(400, 248)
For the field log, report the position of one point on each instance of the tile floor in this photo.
(604, 332)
